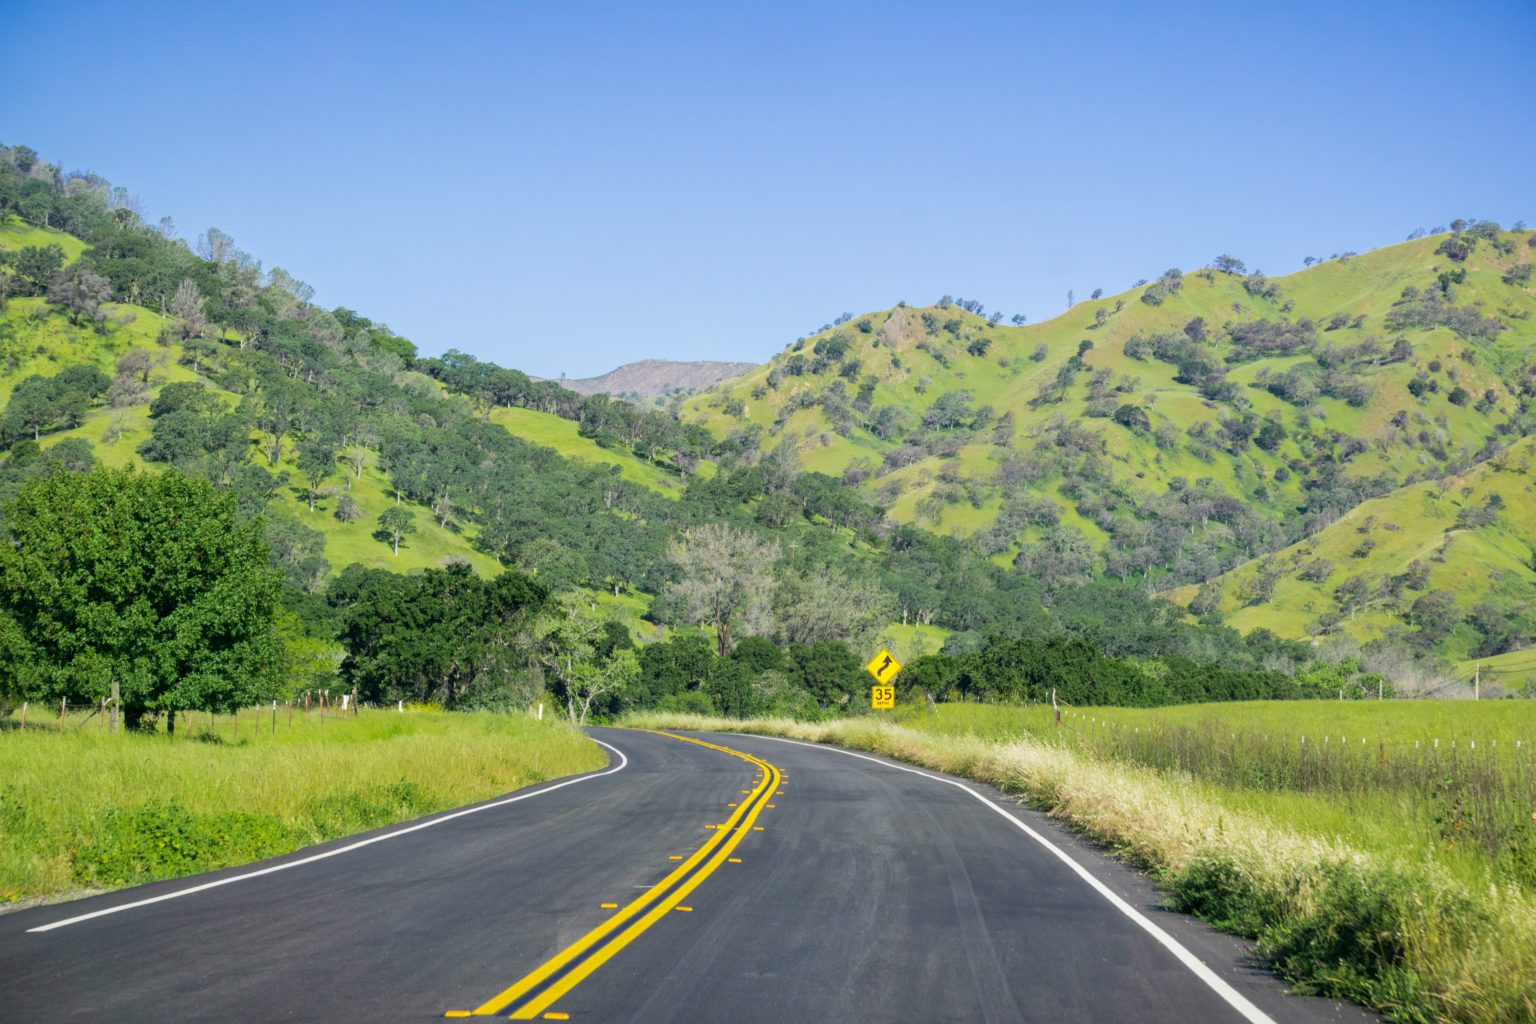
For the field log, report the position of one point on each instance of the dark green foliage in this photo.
(380, 338)
(441, 635)
(1133, 417)
(1432, 308)
(1434, 615)
(296, 550)
(1270, 435)
(35, 268)
(1216, 889)
(680, 664)
(1458, 247)
(191, 431)
(1076, 671)
(148, 580)
(167, 841)
(40, 405)
(1260, 339)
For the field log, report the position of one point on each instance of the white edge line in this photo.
(623, 763)
(1216, 983)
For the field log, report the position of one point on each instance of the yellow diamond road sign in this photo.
(883, 666)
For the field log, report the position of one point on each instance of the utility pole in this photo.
(1477, 682)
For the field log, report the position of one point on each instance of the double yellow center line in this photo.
(536, 992)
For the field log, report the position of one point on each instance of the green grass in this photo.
(564, 437)
(1396, 722)
(1382, 896)
(1454, 782)
(432, 544)
(17, 234)
(912, 641)
(150, 806)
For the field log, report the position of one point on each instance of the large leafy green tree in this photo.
(148, 584)
(443, 635)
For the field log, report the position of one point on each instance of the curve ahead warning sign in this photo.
(883, 667)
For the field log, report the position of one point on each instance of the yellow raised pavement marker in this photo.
(533, 994)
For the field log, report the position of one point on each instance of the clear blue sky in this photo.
(565, 186)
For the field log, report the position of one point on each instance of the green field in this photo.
(1396, 722)
(1453, 780)
(912, 641)
(229, 791)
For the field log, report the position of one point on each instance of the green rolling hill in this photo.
(36, 340)
(934, 402)
(1197, 424)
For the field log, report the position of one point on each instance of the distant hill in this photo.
(657, 378)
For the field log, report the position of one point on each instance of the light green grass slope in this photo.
(17, 234)
(564, 436)
(1007, 378)
(1381, 538)
(32, 340)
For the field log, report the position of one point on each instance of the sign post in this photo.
(883, 666)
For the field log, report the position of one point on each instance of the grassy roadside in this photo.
(1399, 929)
(83, 810)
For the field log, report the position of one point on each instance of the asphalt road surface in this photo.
(717, 879)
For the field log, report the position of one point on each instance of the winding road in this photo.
(699, 878)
